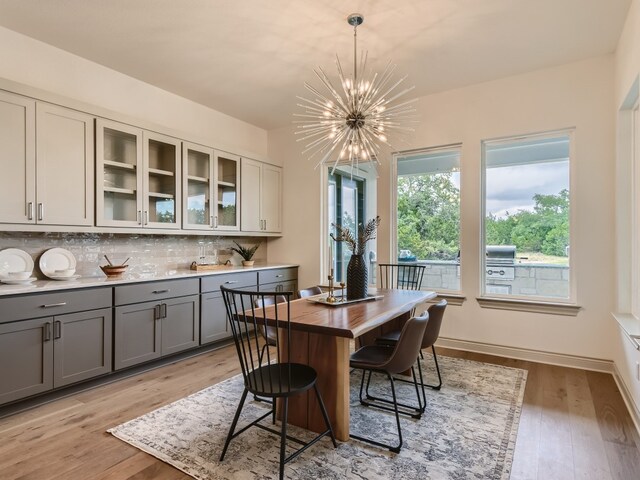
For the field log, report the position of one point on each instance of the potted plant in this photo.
(245, 253)
(357, 272)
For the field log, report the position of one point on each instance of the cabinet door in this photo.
(226, 211)
(250, 202)
(82, 346)
(26, 353)
(136, 335)
(161, 183)
(17, 159)
(271, 205)
(180, 324)
(213, 319)
(197, 187)
(118, 174)
(64, 181)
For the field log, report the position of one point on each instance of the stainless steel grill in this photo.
(501, 260)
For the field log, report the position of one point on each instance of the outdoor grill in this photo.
(500, 262)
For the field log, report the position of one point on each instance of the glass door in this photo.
(118, 180)
(227, 174)
(161, 180)
(197, 184)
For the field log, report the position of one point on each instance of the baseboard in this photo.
(626, 396)
(571, 361)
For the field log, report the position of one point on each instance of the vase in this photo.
(247, 263)
(357, 281)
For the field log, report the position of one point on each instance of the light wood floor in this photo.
(574, 424)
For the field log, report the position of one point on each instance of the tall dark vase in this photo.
(357, 278)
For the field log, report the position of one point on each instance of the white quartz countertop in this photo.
(42, 286)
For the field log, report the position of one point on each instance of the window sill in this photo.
(529, 306)
(451, 298)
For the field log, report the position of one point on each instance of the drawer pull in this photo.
(52, 305)
(230, 282)
(157, 292)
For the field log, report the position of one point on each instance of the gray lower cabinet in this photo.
(213, 324)
(147, 331)
(45, 353)
(278, 280)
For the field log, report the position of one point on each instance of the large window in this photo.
(428, 215)
(526, 237)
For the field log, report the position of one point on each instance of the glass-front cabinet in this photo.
(137, 177)
(210, 186)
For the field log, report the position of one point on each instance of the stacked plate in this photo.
(16, 267)
(58, 264)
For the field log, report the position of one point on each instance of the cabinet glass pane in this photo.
(227, 200)
(198, 187)
(120, 176)
(162, 182)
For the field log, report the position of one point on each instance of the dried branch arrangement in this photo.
(365, 233)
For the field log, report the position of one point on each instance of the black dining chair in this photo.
(309, 292)
(401, 276)
(277, 378)
(431, 333)
(391, 361)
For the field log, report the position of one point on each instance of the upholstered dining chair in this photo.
(391, 360)
(401, 276)
(276, 378)
(431, 333)
(309, 292)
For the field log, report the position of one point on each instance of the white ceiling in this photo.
(249, 58)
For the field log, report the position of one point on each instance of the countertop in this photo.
(41, 286)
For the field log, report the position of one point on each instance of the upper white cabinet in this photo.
(210, 189)
(261, 205)
(47, 172)
(138, 177)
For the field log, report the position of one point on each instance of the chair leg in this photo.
(435, 359)
(361, 387)
(411, 410)
(395, 404)
(424, 395)
(421, 406)
(234, 423)
(326, 416)
(283, 436)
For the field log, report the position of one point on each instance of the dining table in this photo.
(321, 336)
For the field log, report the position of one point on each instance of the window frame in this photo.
(447, 293)
(530, 302)
(635, 210)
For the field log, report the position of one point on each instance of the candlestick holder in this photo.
(331, 298)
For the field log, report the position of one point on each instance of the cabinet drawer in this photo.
(229, 280)
(56, 303)
(277, 275)
(147, 292)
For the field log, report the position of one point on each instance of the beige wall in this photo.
(31, 62)
(627, 67)
(577, 95)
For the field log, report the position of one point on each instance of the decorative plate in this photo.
(56, 259)
(15, 260)
(27, 281)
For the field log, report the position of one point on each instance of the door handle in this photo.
(47, 331)
(30, 211)
(40, 211)
(163, 310)
(57, 329)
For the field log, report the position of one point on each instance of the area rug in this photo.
(467, 432)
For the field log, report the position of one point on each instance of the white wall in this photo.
(577, 95)
(627, 68)
(31, 62)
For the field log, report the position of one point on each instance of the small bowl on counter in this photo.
(114, 270)
(18, 275)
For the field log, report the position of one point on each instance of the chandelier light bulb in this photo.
(351, 121)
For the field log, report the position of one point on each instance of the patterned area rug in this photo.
(468, 431)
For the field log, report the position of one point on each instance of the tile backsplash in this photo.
(150, 254)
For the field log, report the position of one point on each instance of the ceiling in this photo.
(249, 58)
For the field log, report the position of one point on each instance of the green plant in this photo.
(365, 233)
(245, 253)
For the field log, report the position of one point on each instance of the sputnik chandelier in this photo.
(352, 126)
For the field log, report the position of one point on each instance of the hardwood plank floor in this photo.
(574, 424)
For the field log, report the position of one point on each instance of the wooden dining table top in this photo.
(350, 320)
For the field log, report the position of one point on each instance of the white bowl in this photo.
(66, 272)
(18, 275)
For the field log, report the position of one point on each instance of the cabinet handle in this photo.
(229, 282)
(163, 310)
(30, 211)
(160, 291)
(47, 331)
(52, 305)
(265, 225)
(146, 217)
(156, 312)
(57, 329)
(215, 222)
(211, 222)
(139, 217)
(40, 211)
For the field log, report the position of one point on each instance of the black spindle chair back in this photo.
(401, 276)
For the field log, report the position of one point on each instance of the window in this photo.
(351, 201)
(427, 204)
(635, 231)
(526, 231)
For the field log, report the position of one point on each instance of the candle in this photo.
(330, 257)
